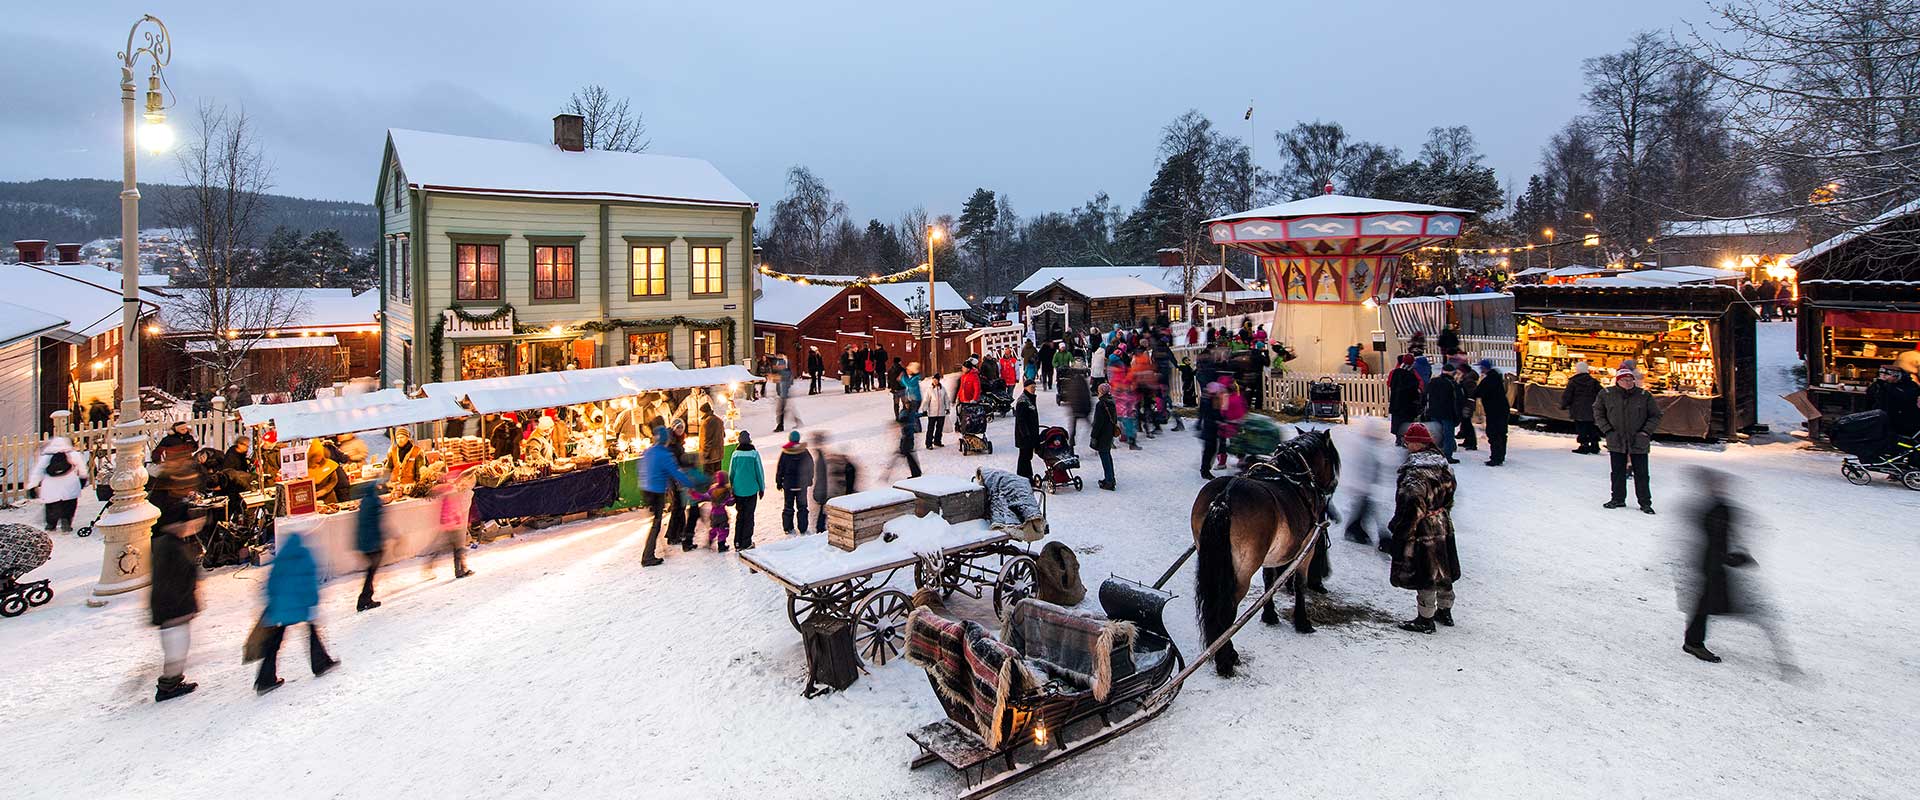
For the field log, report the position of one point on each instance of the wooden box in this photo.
(954, 499)
(860, 517)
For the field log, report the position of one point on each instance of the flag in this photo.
(1249, 115)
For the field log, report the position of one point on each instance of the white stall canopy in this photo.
(327, 416)
(576, 386)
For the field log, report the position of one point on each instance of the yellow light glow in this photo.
(1590, 240)
(155, 135)
(933, 234)
(556, 330)
(1369, 304)
(1040, 735)
(153, 330)
(1588, 216)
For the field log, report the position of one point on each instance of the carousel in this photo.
(1332, 262)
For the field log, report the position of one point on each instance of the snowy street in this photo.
(563, 669)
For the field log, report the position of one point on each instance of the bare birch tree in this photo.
(224, 177)
(609, 123)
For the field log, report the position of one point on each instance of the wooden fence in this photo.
(1365, 395)
(19, 453)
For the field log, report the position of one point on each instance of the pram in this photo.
(1873, 449)
(971, 424)
(23, 548)
(997, 400)
(1324, 401)
(1056, 451)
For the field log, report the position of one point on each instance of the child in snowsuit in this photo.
(718, 497)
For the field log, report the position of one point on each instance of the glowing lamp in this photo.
(154, 134)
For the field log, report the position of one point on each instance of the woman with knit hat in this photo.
(1424, 556)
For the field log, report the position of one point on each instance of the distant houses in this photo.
(49, 367)
(791, 317)
(1054, 299)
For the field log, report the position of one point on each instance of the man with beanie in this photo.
(1491, 391)
(1443, 412)
(1627, 416)
(792, 475)
(1577, 400)
(659, 472)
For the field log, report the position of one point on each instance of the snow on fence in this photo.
(1498, 349)
(1365, 395)
(19, 452)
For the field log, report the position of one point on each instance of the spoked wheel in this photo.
(835, 600)
(947, 582)
(1856, 474)
(84, 531)
(12, 605)
(1911, 479)
(881, 625)
(39, 595)
(1014, 584)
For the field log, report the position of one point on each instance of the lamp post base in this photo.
(126, 529)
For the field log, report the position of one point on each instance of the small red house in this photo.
(791, 317)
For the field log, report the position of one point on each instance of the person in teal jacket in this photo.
(749, 485)
(293, 589)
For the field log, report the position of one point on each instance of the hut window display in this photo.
(1674, 355)
(1855, 344)
(648, 347)
(483, 361)
(554, 355)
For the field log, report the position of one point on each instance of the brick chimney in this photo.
(569, 132)
(32, 251)
(69, 252)
(1170, 256)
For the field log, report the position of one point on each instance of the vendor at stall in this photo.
(404, 463)
(505, 436)
(331, 483)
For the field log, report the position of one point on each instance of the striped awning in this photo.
(1422, 314)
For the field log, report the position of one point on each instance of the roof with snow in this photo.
(20, 322)
(448, 163)
(1095, 287)
(1337, 205)
(1165, 280)
(784, 302)
(1904, 209)
(88, 308)
(151, 284)
(312, 309)
(1752, 226)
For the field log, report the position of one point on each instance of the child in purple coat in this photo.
(718, 497)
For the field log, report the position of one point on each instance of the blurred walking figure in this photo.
(57, 478)
(1716, 591)
(455, 494)
(293, 589)
(175, 594)
(370, 538)
(1577, 400)
(783, 387)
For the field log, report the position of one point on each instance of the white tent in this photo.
(327, 416)
(572, 387)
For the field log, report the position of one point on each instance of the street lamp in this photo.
(1549, 234)
(933, 313)
(127, 525)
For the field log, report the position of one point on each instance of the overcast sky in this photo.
(894, 106)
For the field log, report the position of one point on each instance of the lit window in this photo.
(707, 346)
(709, 272)
(649, 271)
(853, 302)
(646, 348)
(476, 272)
(553, 272)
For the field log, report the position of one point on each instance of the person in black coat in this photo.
(816, 368)
(1577, 400)
(173, 595)
(1101, 438)
(1897, 394)
(793, 475)
(1449, 340)
(1716, 592)
(846, 370)
(1078, 398)
(1026, 428)
(1491, 391)
(1403, 397)
(1443, 412)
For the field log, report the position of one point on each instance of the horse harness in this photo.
(1297, 475)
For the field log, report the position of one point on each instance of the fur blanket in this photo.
(1078, 646)
(972, 670)
(1424, 556)
(23, 548)
(1010, 502)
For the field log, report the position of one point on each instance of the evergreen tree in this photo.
(977, 233)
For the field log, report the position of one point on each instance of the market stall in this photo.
(1693, 345)
(1851, 328)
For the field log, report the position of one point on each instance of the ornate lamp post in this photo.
(127, 527)
(933, 310)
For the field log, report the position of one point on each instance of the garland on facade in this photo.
(728, 325)
(902, 276)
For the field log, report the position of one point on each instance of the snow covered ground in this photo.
(564, 670)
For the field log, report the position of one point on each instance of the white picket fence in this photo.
(1499, 350)
(1364, 395)
(19, 452)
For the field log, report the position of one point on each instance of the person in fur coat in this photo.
(1424, 557)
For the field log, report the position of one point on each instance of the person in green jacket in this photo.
(749, 485)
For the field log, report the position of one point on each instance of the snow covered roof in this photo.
(575, 386)
(385, 408)
(20, 322)
(1714, 273)
(1530, 271)
(1166, 280)
(1097, 287)
(282, 343)
(88, 308)
(104, 278)
(784, 302)
(1338, 204)
(308, 309)
(1574, 271)
(1755, 226)
(1856, 232)
(1239, 295)
(445, 162)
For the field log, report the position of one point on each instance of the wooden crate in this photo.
(954, 499)
(860, 517)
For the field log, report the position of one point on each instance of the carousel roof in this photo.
(1338, 205)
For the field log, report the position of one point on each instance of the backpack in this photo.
(59, 464)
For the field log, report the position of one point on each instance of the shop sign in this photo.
(1586, 322)
(453, 327)
(293, 460)
(300, 499)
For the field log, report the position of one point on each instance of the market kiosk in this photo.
(1693, 346)
(1849, 329)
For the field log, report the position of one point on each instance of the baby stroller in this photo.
(998, 400)
(972, 427)
(1056, 451)
(1873, 450)
(23, 548)
(1324, 401)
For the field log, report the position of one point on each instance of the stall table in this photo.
(412, 526)
(574, 492)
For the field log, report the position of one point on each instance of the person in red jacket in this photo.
(969, 391)
(1009, 372)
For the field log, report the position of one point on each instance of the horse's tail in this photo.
(1215, 582)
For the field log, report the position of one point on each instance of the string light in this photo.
(851, 280)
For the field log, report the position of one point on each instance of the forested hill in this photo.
(84, 209)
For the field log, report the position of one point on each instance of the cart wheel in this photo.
(39, 595)
(84, 532)
(835, 600)
(1911, 480)
(946, 582)
(881, 625)
(1014, 584)
(12, 605)
(1856, 474)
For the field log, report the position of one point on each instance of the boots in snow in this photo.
(260, 688)
(1646, 509)
(1418, 625)
(1614, 504)
(169, 688)
(1701, 652)
(1444, 616)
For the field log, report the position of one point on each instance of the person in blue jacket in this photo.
(370, 539)
(293, 589)
(660, 472)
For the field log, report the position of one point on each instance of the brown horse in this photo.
(1261, 520)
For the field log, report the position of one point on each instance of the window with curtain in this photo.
(649, 270)
(708, 348)
(709, 272)
(646, 348)
(553, 272)
(476, 272)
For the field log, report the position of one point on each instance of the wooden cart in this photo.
(819, 578)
